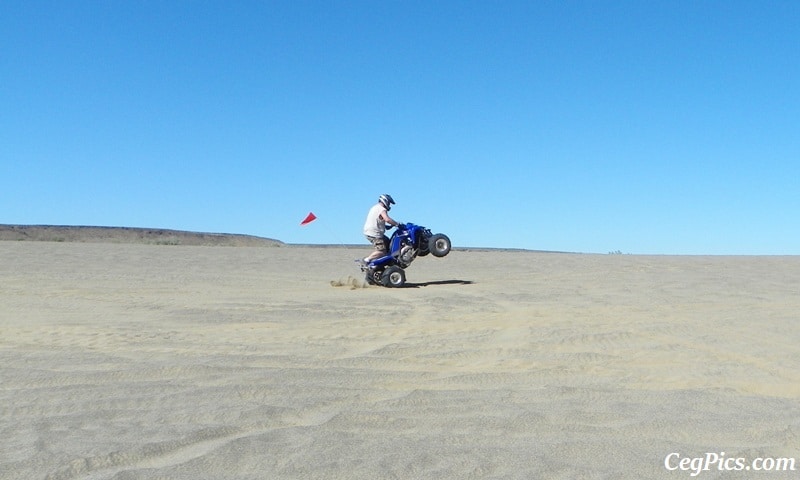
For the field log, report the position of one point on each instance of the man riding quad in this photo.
(375, 227)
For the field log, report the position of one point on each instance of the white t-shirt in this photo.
(374, 226)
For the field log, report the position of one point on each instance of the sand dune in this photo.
(180, 362)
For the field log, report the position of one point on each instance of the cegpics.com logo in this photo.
(721, 463)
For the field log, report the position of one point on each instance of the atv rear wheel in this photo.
(393, 276)
(374, 277)
(439, 245)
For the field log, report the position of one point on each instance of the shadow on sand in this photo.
(438, 282)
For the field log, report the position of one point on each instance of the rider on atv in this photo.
(375, 227)
(386, 265)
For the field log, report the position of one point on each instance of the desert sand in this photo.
(122, 361)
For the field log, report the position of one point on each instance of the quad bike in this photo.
(406, 243)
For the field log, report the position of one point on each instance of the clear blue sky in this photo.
(666, 127)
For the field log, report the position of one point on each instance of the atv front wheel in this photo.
(393, 276)
(423, 247)
(439, 245)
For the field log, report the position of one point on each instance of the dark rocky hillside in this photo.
(152, 236)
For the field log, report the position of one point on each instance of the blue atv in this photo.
(407, 243)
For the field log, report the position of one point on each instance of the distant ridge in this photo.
(149, 236)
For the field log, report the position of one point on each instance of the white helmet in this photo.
(386, 200)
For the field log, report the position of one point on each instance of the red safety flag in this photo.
(310, 218)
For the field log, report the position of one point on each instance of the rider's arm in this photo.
(386, 218)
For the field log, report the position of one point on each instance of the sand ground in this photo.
(177, 362)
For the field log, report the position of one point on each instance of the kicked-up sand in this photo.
(176, 362)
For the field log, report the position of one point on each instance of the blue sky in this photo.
(668, 127)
